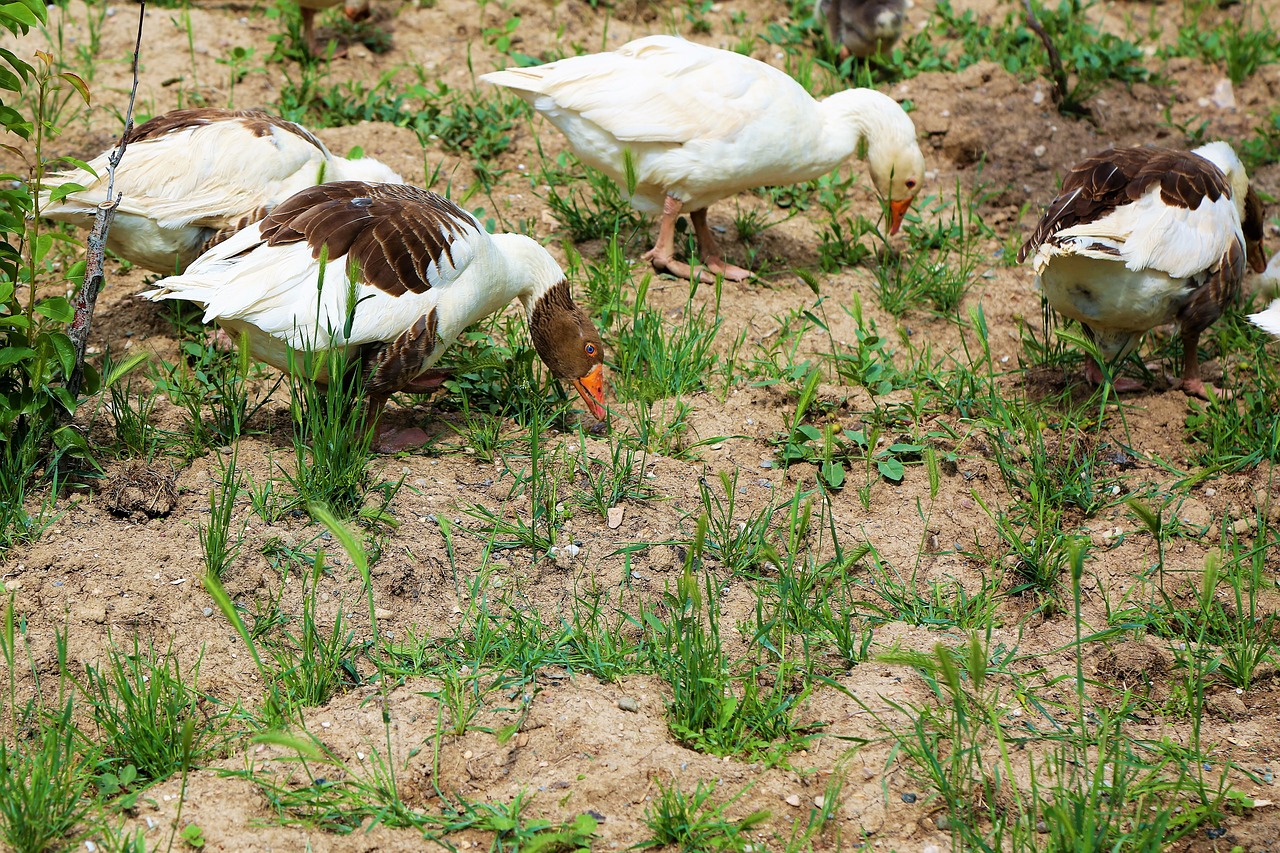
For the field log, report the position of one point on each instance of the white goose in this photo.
(426, 271)
(1138, 237)
(192, 177)
(697, 124)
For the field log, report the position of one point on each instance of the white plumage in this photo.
(1268, 319)
(698, 124)
(284, 308)
(193, 175)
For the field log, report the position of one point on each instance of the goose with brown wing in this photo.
(405, 272)
(1139, 237)
(191, 178)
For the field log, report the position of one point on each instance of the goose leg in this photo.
(662, 255)
(309, 31)
(710, 250)
(1191, 383)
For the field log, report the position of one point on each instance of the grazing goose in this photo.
(862, 28)
(1138, 237)
(693, 124)
(424, 270)
(192, 177)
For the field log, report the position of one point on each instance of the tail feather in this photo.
(1269, 319)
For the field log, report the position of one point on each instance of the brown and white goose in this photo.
(1139, 237)
(693, 124)
(424, 270)
(190, 178)
(862, 28)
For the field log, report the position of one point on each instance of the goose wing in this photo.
(203, 167)
(386, 250)
(1152, 208)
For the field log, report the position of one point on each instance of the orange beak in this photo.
(897, 210)
(591, 387)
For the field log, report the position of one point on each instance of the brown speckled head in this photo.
(569, 344)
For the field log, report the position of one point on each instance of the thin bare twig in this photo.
(87, 298)
(1060, 90)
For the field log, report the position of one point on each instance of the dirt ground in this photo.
(101, 576)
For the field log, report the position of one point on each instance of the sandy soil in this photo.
(103, 576)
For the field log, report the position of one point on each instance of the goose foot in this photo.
(1197, 387)
(428, 381)
(392, 440)
(1121, 384)
(707, 274)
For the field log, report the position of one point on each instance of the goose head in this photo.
(568, 343)
(886, 134)
(897, 170)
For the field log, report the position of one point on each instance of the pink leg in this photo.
(710, 250)
(662, 255)
(1191, 383)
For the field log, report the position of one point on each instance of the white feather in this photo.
(1268, 319)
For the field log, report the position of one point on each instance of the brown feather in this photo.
(259, 123)
(390, 366)
(1118, 176)
(394, 232)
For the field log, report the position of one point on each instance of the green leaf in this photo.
(56, 308)
(20, 13)
(833, 473)
(12, 355)
(64, 349)
(43, 244)
(62, 191)
(892, 469)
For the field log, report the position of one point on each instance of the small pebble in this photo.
(908, 798)
(794, 801)
(942, 822)
(208, 611)
(626, 703)
(1215, 832)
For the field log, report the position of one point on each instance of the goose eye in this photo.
(591, 349)
(911, 185)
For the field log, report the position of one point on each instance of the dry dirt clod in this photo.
(142, 491)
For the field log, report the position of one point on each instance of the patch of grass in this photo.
(656, 358)
(141, 701)
(45, 786)
(717, 705)
(691, 822)
(330, 436)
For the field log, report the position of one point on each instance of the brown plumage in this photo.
(257, 122)
(394, 231)
(1138, 237)
(1097, 186)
